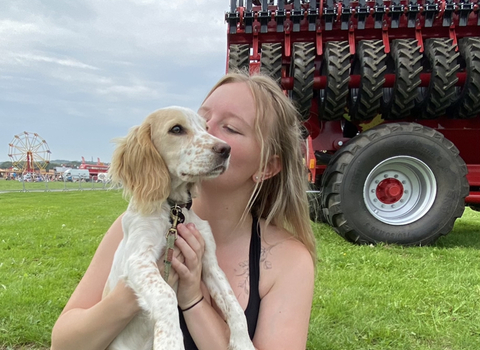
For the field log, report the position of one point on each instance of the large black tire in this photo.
(303, 70)
(468, 103)
(371, 65)
(399, 183)
(398, 101)
(336, 67)
(440, 93)
(271, 61)
(239, 58)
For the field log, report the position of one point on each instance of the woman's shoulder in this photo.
(114, 234)
(283, 257)
(274, 237)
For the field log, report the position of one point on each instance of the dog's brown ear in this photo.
(137, 165)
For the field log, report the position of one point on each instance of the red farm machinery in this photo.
(389, 94)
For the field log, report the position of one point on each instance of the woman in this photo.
(259, 217)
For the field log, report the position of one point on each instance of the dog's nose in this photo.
(222, 149)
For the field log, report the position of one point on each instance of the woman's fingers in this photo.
(193, 237)
(191, 244)
(180, 268)
(178, 255)
(191, 258)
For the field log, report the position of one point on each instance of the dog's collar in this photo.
(187, 205)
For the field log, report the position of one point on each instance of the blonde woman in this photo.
(259, 216)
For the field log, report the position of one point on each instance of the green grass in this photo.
(390, 297)
(382, 297)
(47, 240)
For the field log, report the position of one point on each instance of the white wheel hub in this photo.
(400, 190)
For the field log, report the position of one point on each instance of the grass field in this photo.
(382, 297)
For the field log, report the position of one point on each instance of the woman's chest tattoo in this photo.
(242, 271)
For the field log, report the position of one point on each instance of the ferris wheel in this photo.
(29, 152)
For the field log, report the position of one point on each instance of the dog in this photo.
(157, 163)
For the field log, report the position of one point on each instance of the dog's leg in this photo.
(221, 291)
(157, 298)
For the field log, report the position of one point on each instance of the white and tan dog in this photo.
(160, 160)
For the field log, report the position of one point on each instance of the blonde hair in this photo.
(281, 199)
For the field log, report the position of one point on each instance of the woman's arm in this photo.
(207, 328)
(87, 321)
(285, 309)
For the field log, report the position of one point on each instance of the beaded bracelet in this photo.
(191, 306)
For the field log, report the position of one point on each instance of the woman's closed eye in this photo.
(232, 129)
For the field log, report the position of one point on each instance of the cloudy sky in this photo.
(81, 72)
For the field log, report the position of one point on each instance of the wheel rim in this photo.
(400, 190)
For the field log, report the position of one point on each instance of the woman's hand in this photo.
(188, 265)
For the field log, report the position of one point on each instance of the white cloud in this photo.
(26, 59)
(10, 28)
(136, 91)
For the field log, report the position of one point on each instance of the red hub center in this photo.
(389, 191)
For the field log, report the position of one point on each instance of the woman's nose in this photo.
(210, 127)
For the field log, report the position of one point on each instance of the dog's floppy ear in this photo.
(137, 165)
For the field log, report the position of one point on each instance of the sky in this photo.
(82, 72)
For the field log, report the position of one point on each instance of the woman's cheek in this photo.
(245, 156)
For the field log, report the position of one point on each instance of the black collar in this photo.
(186, 205)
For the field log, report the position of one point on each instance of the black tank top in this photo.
(253, 306)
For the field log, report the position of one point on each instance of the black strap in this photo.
(253, 307)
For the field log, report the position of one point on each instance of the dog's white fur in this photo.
(155, 162)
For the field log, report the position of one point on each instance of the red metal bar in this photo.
(473, 198)
(418, 34)
(312, 163)
(351, 39)
(453, 36)
(385, 37)
(473, 175)
(319, 41)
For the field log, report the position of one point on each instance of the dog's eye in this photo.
(177, 129)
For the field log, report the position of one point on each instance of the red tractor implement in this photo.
(389, 94)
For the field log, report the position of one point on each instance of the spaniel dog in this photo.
(157, 163)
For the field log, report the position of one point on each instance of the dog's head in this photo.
(168, 152)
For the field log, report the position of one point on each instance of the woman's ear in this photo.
(138, 166)
(274, 166)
